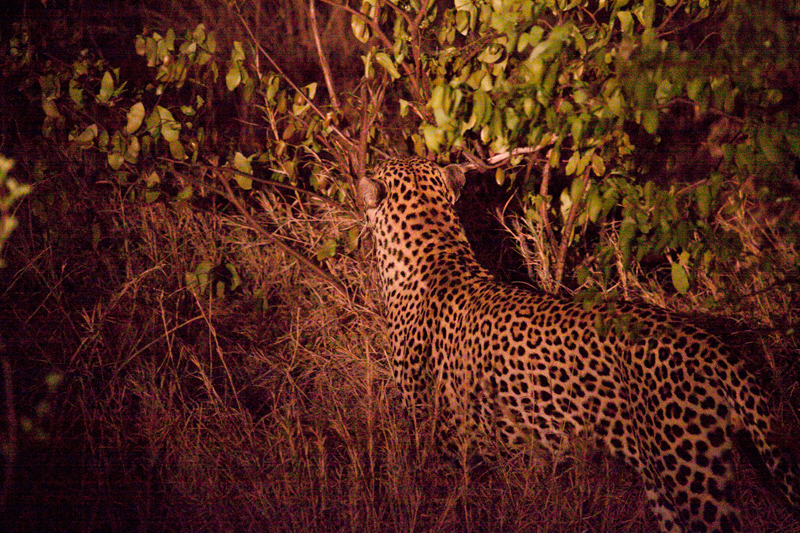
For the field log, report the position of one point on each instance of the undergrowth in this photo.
(267, 407)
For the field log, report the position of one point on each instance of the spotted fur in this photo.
(497, 363)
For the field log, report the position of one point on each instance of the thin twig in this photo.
(271, 183)
(413, 76)
(566, 234)
(423, 9)
(220, 353)
(545, 142)
(323, 58)
(400, 12)
(416, 35)
(252, 224)
(666, 20)
(372, 107)
(275, 66)
(525, 250)
(543, 206)
(305, 261)
(373, 24)
(710, 109)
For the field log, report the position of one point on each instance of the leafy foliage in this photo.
(10, 193)
(590, 94)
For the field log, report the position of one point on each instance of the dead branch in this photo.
(323, 58)
(569, 226)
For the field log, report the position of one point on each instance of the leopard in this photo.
(499, 363)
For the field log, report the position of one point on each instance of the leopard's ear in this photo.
(455, 179)
(369, 193)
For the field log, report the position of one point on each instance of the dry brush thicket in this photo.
(270, 408)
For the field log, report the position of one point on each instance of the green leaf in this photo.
(153, 122)
(234, 77)
(388, 65)
(360, 28)
(169, 40)
(434, 136)
(462, 22)
(703, 196)
(627, 232)
(475, 79)
(140, 45)
(272, 88)
(645, 93)
(481, 108)
(404, 107)
(694, 87)
(548, 84)
(626, 21)
(616, 103)
(665, 91)
(152, 179)
(491, 54)
(186, 193)
(243, 166)
(237, 54)
(593, 204)
(242, 163)
(511, 119)
(327, 250)
(132, 151)
(76, 93)
(170, 128)
(203, 274)
(767, 141)
(680, 279)
(500, 176)
(579, 41)
(598, 165)
(244, 182)
(176, 150)
(86, 138)
(53, 380)
(151, 196)
(576, 191)
(135, 118)
(650, 121)
(106, 88)
(681, 234)
(555, 156)
(576, 128)
(582, 274)
(584, 161)
(116, 160)
(572, 164)
(647, 13)
(311, 90)
(793, 140)
(566, 204)
(102, 139)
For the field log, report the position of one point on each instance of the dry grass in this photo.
(270, 408)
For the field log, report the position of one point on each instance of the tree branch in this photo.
(323, 59)
(543, 211)
(275, 66)
(305, 261)
(569, 225)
